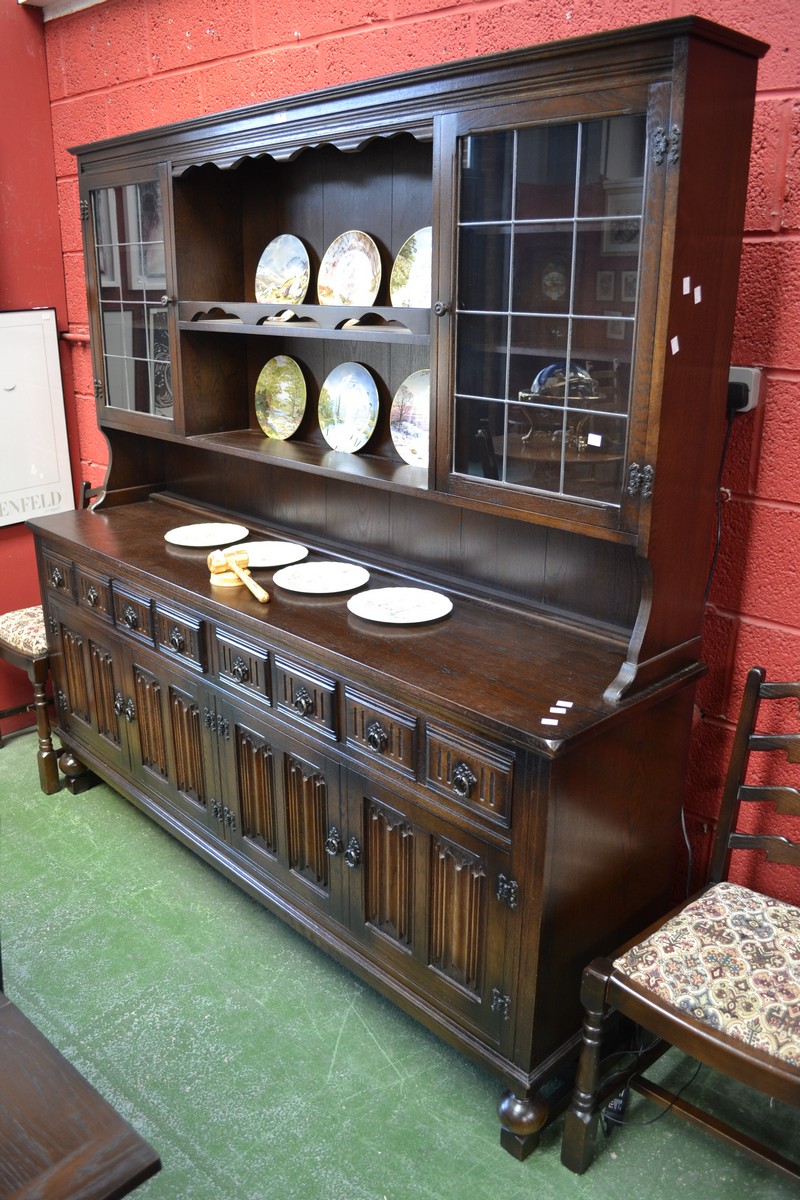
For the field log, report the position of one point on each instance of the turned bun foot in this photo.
(522, 1123)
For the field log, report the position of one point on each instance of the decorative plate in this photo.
(348, 407)
(207, 534)
(280, 397)
(410, 281)
(272, 554)
(321, 578)
(409, 419)
(350, 271)
(400, 606)
(283, 272)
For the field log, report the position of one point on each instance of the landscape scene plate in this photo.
(272, 554)
(348, 407)
(409, 419)
(212, 533)
(283, 272)
(280, 397)
(321, 578)
(350, 271)
(400, 606)
(410, 281)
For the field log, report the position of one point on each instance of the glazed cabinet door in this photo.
(425, 900)
(546, 337)
(127, 253)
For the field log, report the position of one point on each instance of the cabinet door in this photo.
(88, 673)
(556, 207)
(128, 268)
(423, 897)
(284, 799)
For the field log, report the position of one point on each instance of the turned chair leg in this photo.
(583, 1115)
(46, 758)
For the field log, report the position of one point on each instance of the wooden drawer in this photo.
(474, 774)
(93, 592)
(133, 613)
(180, 636)
(241, 666)
(58, 574)
(306, 696)
(381, 731)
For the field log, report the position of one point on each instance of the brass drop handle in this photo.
(377, 737)
(130, 712)
(92, 596)
(240, 670)
(463, 779)
(119, 703)
(333, 842)
(57, 577)
(352, 855)
(303, 702)
(176, 640)
(129, 617)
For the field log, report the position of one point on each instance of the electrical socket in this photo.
(744, 385)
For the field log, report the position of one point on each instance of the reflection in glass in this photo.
(549, 240)
(131, 279)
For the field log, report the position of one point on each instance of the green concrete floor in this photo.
(257, 1067)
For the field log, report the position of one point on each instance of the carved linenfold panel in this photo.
(75, 673)
(186, 729)
(457, 889)
(255, 770)
(389, 860)
(152, 744)
(102, 669)
(307, 820)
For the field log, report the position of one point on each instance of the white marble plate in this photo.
(410, 280)
(273, 553)
(400, 605)
(350, 271)
(212, 533)
(321, 578)
(409, 419)
(283, 272)
(348, 407)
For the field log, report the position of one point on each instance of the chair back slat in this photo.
(777, 849)
(788, 743)
(785, 799)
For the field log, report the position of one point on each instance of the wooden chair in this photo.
(23, 644)
(699, 978)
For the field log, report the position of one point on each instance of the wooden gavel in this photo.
(220, 561)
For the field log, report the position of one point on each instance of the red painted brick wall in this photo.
(130, 64)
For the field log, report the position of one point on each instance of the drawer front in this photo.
(133, 613)
(93, 592)
(384, 733)
(242, 666)
(305, 695)
(58, 574)
(475, 774)
(180, 636)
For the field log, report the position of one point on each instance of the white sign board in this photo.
(35, 474)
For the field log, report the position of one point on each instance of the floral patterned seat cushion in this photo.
(24, 630)
(731, 959)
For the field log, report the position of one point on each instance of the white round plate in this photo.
(400, 606)
(350, 271)
(348, 407)
(321, 578)
(410, 280)
(272, 554)
(208, 534)
(409, 419)
(283, 272)
(280, 397)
